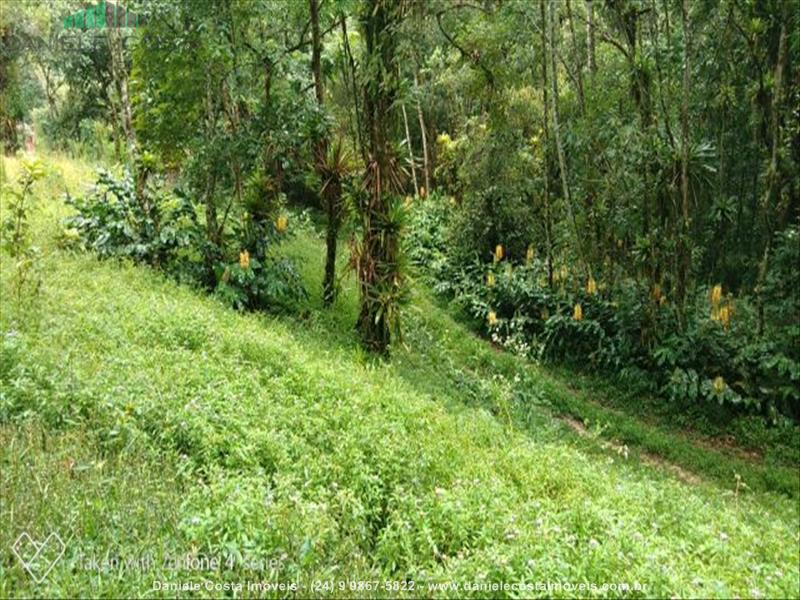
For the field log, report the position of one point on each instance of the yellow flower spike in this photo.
(716, 295)
(719, 384)
(655, 293)
(529, 255)
(725, 316)
(591, 286)
(492, 318)
(577, 313)
(563, 272)
(490, 280)
(244, 259)
(422, 192)
(498, 253)
(281, 223)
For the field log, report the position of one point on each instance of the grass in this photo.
(140, 418)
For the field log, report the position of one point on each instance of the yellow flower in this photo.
(719, 384)
(577, 313)
(422, 192)
(492, 318)
(725, 316)
(281, 223)
(591, 286)
(244, 259)
(498, 253)
(716, 295)
(563, 272)
(529, 254)
(490, 280)
(655, 293)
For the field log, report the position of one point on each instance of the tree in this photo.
(378, 256)
(684, 252)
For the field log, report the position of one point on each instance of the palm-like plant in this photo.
(334, 166)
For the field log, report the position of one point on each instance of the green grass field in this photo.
(145, 422)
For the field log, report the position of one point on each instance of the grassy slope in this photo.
(140, 416)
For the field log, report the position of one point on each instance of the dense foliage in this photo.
(620, 325)
(643, 191)
(398, 295)
(165, 231)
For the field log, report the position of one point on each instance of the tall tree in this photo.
(328, 176)
(425, 157)
(378, 257)
(684, 253)
(590, 53)
(548, 217)
(562, 161)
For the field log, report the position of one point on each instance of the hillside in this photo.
(143, 418)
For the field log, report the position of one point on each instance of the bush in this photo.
(112, 222)
(497, 205)
(624, 328)
(166, 230)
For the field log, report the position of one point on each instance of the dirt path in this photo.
(647, 458)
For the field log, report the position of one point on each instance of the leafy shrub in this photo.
(113, 223)
(497, 204)
(166, 230)
(425, 240)
(623, 327)
(252, 283)
(16, 235)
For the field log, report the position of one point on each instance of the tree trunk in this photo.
(213, 231)
(548, 225)
(330, 193)
(684, 253)
(562, 162)
(771, 200)
(590, 59)
(576, 57)
(410, 151)
(425, 157)
(120, 74)
(378, 254)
